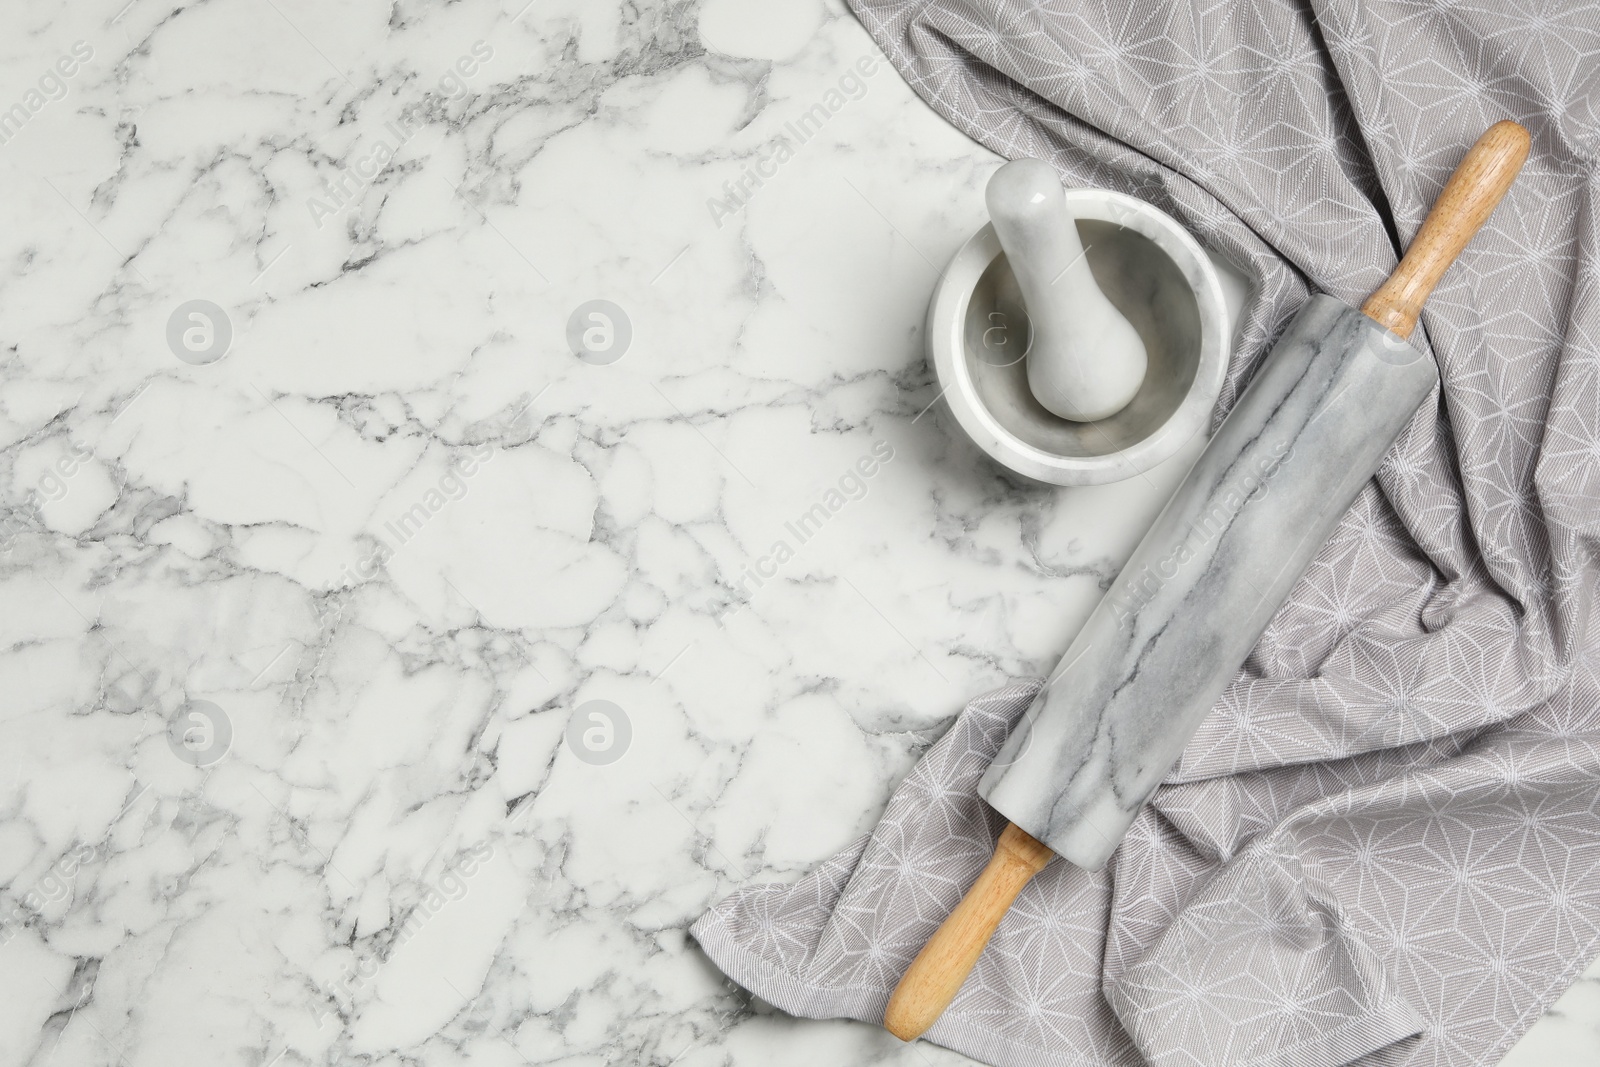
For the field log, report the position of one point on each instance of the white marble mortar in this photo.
(1158, 277)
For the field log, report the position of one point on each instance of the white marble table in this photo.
(370, 551)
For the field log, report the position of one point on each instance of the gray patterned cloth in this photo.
(1383, 846)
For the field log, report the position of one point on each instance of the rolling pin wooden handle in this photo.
(1469, 197)
(932, 980)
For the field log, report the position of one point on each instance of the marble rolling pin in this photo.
(1184, 612)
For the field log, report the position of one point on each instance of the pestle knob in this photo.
(1086, 360)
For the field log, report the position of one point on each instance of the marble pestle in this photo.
(1085, 361)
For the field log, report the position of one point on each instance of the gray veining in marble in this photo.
(1184, 613)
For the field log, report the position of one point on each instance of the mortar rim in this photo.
(947, 311)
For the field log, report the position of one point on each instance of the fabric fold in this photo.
(1262, 966)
